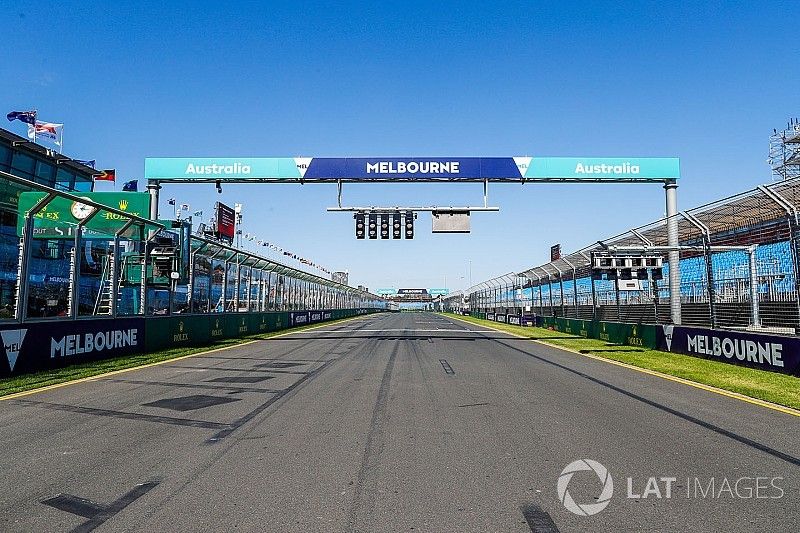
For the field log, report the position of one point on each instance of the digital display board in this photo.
(226, 222)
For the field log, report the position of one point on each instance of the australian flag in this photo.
(28, 117)
(130, 186)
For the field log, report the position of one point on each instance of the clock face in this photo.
(81, 211)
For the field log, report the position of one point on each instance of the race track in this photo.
(390, 422)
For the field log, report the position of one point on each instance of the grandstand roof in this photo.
(756, 216)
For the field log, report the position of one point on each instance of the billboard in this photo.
(60, 217)
(212, 169)
(226, 222)
(42, 345)
(412, 291)
(764, 351)
(386, 292)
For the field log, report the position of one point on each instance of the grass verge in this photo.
(56, 376)
(772, 387)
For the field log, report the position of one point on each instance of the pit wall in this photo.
(37, 346)
(775, 353)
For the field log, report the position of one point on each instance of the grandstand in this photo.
(717, 285)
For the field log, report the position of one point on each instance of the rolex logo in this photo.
(634, 331)
(180, 336)
(123, 204)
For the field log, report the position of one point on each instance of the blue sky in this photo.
(706, 82)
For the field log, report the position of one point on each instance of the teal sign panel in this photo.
(410, 168)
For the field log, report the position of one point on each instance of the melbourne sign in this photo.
(59, 218)
(768, 352)
(410, 168)
(52, 344)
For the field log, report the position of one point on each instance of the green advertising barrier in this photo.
(167, 332)
(257, 323)
(196, 330)
(267, 322)
(235, 325)
(643, 335)
(216, 328)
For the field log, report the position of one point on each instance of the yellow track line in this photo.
(695, 384)
(148, 365)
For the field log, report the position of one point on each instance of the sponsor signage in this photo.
(438, 292)
(217, 330)
(59, 218)
(768, 352)
(50, 344)
(500, 318)
(386, 292)
(41, 345)
(412, 291)
(12, 343)
(298, 318)
(409, 168)
(515, 319)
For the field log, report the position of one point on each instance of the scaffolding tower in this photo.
(784, 151)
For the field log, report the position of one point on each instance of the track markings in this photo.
(240, 379)
(190, 403)
(695, 384)
(538, 519)
(165, 362)
(96, 513)
(125, 415)
(473, 404)
(447, 368)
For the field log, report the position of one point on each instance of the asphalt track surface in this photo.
(395, 422)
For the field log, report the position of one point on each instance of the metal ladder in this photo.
(102, 305)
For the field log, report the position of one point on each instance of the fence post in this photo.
(711, 288)
(561, 289)
(574, 286)
(673, 239)
(541, 297)
(754, 303)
